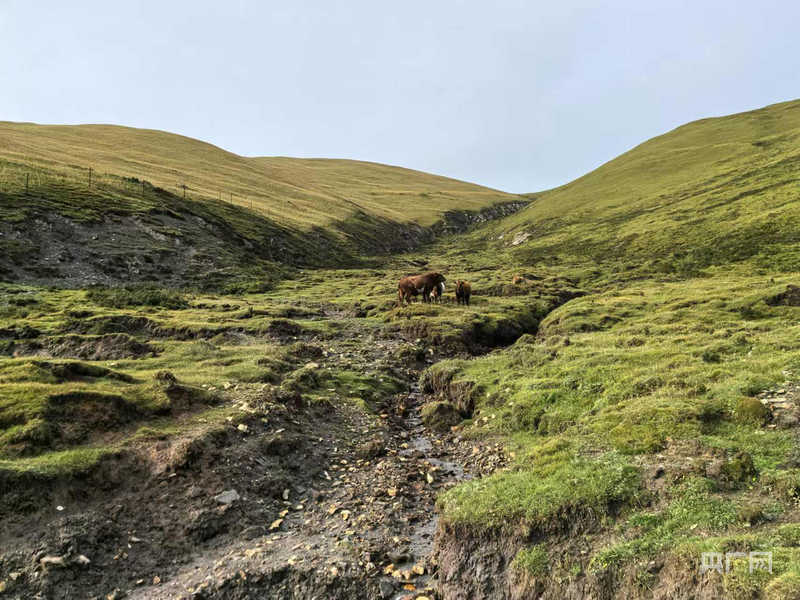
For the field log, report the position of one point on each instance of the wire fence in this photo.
(59, 181)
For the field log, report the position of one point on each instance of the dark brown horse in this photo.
(463, 292)
(418, 285)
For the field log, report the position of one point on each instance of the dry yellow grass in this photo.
(295, 192)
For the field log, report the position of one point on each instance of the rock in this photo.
(520, 238)
(53, 561)
(156, 580)
(227, 497)
(371, 449)
(386, 589)
(165, 377)
(750, 410)
(739, 469)
(81, 560)
(227, 385)
(243, 428)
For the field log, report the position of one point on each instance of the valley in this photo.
(225, 420)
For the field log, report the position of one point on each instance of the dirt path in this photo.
(293, 500)
(368, 524)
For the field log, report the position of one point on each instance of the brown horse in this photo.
(417, 285)
(463, 292)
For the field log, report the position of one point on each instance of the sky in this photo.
(517, 95)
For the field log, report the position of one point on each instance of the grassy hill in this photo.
(237, 217)
(710, 192)
(646, 416)
(293, 192)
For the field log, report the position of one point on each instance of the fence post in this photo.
(184, 191)
(27, 175)
(90, 176)
(142, 188)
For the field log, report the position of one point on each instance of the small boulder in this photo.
(371, 449)
(227, 497)
(386, 589)
(750, 410)
(738, 470)
(53, 561)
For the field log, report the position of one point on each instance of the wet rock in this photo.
(386, 589)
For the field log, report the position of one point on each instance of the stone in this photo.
(53, 561)
(81, 560)
(386, 589)
(227, 497)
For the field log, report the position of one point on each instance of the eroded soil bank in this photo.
(291, 497)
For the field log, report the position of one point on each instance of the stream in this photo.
(422, 537)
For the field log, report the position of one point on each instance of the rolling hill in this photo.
(293, 192)
(106, 204)
(710, 192)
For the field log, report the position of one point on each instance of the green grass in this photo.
(558, 484)
(534, 561)
(711, 192)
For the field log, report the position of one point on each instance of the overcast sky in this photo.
(517, 95)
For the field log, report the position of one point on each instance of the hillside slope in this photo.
(237, 216)
(709, 192)
(293, 192)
